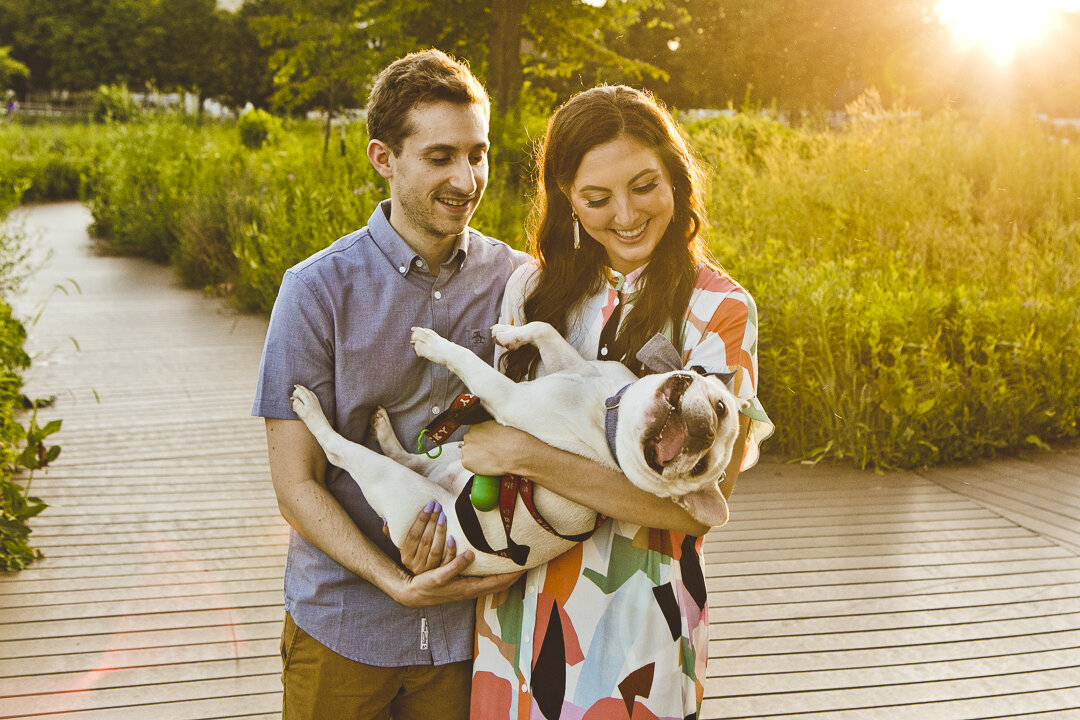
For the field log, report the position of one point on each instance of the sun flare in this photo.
(1001, 27)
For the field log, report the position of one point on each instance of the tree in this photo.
(800, 54)
(74, 44)
(10, 68)
(323, 54)
(181, 42)
(244, 73)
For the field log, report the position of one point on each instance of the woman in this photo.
(621, 621)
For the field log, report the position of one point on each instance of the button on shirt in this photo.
(341, 326)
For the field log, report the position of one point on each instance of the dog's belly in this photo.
(567, 517)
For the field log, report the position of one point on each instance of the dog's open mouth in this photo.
(667, 435)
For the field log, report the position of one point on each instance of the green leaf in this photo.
(1037, 442)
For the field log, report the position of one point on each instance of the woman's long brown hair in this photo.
(567, 276)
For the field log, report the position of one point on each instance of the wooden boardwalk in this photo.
(952, 594)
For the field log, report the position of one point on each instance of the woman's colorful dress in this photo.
(618, 626)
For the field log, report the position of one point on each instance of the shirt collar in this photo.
(627, 283)
(398, 252)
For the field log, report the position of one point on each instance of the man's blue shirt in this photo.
(341, 327)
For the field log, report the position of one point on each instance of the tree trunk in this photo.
(504, 58)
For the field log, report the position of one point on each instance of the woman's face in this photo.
(623, 197)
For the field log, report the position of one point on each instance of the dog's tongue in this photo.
(671, 439)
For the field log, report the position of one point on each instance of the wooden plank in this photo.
(113, 658)
(793, 663)
(165, 640)
(989, 702)
(145, 607)
(247, 693)
(142, 592)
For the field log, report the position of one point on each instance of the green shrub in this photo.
(113, 103)
(50, 162)
(917, 280)
(22, 448)
(257, 128)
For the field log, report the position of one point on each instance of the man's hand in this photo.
(445, 584)
(427, 546)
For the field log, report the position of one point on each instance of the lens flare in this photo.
(1001, 27)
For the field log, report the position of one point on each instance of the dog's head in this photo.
(674, 437)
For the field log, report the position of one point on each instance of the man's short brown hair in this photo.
(418, 78)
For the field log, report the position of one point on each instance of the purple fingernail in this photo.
(438, 507)
(442, 518)
(451, 542)
(430, 506)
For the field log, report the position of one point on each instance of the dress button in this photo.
(435, 410)
(402, 269)
(419, 263)
(438, 295)
(524, 687)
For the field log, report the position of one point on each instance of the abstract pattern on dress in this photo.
(618, 626)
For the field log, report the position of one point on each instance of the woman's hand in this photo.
(493, 449)
(427, 546)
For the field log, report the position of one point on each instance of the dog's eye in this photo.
(721, 409)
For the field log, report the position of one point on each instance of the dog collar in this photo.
(611, 419)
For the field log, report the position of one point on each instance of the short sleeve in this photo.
(299, 350)
(721, 334)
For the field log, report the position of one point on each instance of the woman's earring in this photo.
(577, 230)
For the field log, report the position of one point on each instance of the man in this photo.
(363, 636)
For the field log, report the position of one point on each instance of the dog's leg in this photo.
(391, 447)
(307, 407)
(557, 354)
(482, 380)
(443, 469)
(395, 492)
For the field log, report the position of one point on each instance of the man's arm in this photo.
(487, 451)
(297, 468)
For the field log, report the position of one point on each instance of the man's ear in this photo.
(379, 155)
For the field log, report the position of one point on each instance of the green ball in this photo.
(485, 492)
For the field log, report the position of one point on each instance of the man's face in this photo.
(438, 178)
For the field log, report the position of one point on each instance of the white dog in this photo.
(671, 434)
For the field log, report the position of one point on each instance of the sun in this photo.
(1001, 27)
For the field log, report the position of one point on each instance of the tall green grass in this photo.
(917, 279)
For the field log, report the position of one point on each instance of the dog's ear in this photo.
(707, 506)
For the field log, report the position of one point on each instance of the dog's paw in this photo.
(304, 402)
(427, 344)
(508, 336)
(380, 419)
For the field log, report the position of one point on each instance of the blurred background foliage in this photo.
(903, 207)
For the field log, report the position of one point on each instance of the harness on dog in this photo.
(467, 410)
